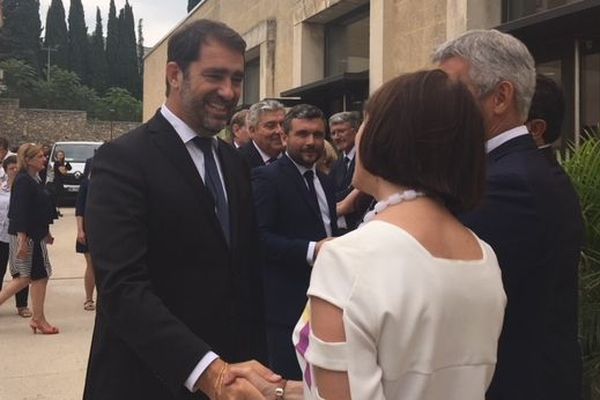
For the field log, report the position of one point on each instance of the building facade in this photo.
(333, 53)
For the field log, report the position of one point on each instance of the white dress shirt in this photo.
(504, 137)
(265, 157)
(323, 207)
(187, 134)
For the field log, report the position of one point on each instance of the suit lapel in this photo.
(170, 144)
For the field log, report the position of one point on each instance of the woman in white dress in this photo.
(410, 305)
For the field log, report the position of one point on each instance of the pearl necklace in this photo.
(394, 199)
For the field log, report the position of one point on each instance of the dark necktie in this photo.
(213, 183)
(271, 160)
(309, 177)
(347, 162)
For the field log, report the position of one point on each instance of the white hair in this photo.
(494, 57)
(257, 109)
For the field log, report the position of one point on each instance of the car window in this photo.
(76, 152)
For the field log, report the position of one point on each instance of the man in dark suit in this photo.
(264, 120)
(295, 207)
(546, 115)
(343, 127)
(239, 129)
(530, 216)
(172, 231)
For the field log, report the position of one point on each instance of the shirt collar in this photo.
(265, 157)
(351, 153)
(183, 130)
(504, 137)
(301, 168)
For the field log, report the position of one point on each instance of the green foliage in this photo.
(98, 65)
(56, 34)
(64, 91)
(112, 46)
(583, 166)
(20, 35)
(22, 81)
(128, 73)
(140, 49)
(119, 105)
(78, 41)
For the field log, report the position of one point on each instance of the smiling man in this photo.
(265, 125)
(172, 236)
(295, 208)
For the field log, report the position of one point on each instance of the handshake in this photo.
(249, 380)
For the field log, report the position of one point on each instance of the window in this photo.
(251, 92)
(515, 9)
(590, 84)
(347, 43)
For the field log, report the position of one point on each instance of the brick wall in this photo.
(22, 125)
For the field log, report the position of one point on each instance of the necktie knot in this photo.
(271, 160)
(203, 143)
(309, 175)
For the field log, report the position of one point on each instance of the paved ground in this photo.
(49, 367)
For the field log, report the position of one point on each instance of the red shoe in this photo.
(45, 329)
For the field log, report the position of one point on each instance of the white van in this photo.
(76, 153)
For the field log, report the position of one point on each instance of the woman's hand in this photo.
(49, 238)
(22, 247)
(81, 238)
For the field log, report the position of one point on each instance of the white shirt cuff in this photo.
(200, 368)
(310, 254)
(341, 222)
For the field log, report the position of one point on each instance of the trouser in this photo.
(282, 355)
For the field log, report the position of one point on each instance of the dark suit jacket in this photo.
(342, 178)
(169, 287)
(531, 218)
(287, 222)
(251, 155)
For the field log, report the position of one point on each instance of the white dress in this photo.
(417, 327)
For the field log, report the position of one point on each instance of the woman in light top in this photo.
(410, 305)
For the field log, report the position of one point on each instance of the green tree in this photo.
(119, 105)
(78, 41)
(20, 35)
(22, 82)
(57, 35)
(98, 65)
(112, 46)
(192, 4)
(140, 48)
(129, 76)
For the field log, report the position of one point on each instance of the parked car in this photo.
(76, 153)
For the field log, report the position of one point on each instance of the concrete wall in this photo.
(289, 36)
(22, 125)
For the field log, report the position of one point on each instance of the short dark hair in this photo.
(185, 44)
(548, 103)
(9, 160)
(424, 131)
(4, 143)
(354, 118)
(302, 111)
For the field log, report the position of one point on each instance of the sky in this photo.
(159, 16)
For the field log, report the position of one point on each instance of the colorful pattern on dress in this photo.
(301, 341)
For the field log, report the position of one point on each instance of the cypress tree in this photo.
(129, 74)
(192, 4)
(20, 35)
(56, 34)
(140, 49)
(98, 66)
(78, 42)
(112, 46)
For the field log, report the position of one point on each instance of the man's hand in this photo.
(257, 374)
(49, 239)
(236, 381)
